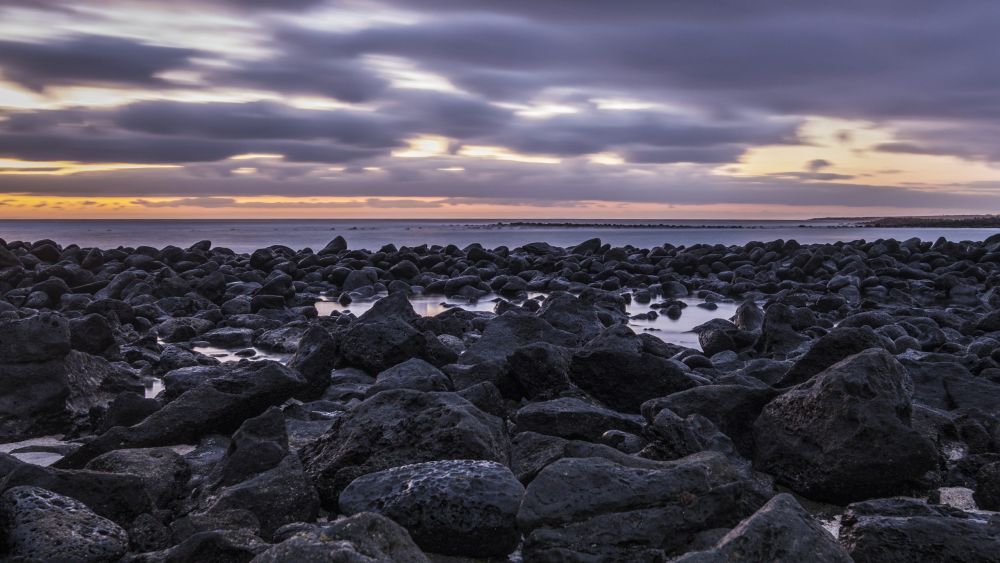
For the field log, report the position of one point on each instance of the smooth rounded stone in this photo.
(898, 530)
(821, 438)
(729, 407)
(219, 404)
(38, 338)
(163, 471)
(363, 538)
(749, 316)
(40, 525)
(453, 507)
(179, 329)
(623, 380)
(401, 427)
(511, 330)
(413, 374)
(780, 532)
(829, 349)
(593, 509)
(574, 419)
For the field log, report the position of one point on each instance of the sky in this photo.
(498, 108)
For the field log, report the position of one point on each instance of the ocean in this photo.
(248, 235)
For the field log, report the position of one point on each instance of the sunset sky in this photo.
(498, 108)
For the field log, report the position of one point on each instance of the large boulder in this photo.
(831, 348)
(574, 419)
(625, 380)
(40, 398)
(899, 530)
(117, 496)
(40, 525)
(454, 507)
(730, 407)
(377, 346)
(593, 509)
(315, 357)
(412, 374)
(780, 532)
(571, 314)
(219, 404)
(846, 434)
(163, 471)
(510, 331)
(38, 338)
(401, 427)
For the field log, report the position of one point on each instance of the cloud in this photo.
(228, 202)
(89, 59)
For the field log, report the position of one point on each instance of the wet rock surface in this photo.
(860, 378)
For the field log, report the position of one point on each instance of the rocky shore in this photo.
(849, 410)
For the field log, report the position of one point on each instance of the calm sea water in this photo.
(247, 235)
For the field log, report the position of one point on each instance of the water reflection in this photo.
(675, 331)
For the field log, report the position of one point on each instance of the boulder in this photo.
(40, 398)
(40, 525)
(829, 349)
(593, 509)
(117, 496)
(163, 471)
(780, 532)
(511, 330)
(898, 530)
(38, 338)
(413, 374)
(401, 427)
(625, 380)
(573, 419)
(820, 437)
(219, 404)
(453, 507)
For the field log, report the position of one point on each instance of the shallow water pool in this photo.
(675, 331)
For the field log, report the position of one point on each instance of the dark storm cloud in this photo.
(345, 80)
(88, 59)
(256, 121)
(587, 133)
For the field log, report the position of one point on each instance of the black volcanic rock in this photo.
(819, 438)
(401, 427)
(454, 507)
(781, 532)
